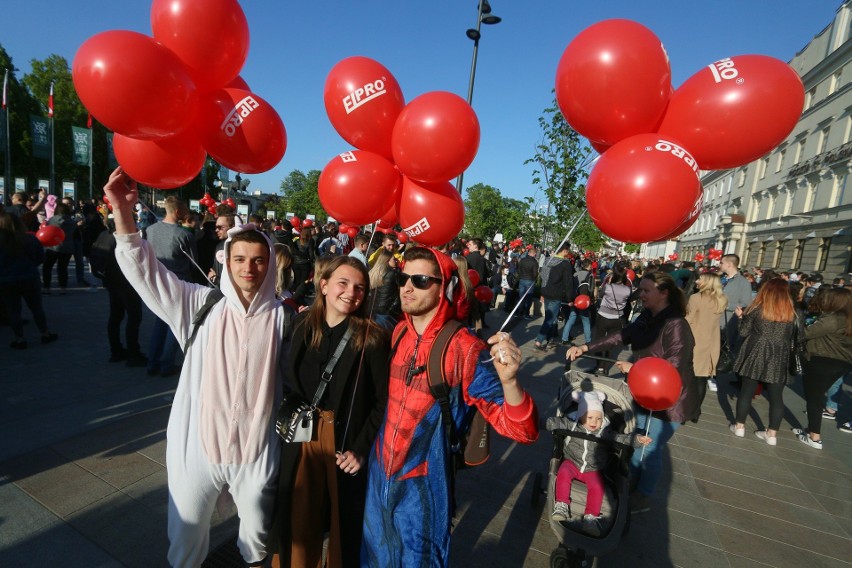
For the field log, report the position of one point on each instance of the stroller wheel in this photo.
(537, 490)
(559, 558)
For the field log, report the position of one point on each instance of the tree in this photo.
(300, 195)
(20, 104)
(561, 161)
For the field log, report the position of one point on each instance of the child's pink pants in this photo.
(568, 472)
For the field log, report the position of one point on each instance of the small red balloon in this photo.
(50, 235)
(582, 302)
(631, 274)
(484, 294)
(401, 237)
(654, 383)
(296, 223)
(307, 223)
(474, 277)
(352, 232)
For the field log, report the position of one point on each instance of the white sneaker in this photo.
(738, 432)
(592, 525)
(711, 385)
(805, 438)
(561, 511)
(771, 440)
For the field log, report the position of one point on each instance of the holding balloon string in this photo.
(661, 380)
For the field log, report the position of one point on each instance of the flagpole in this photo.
(52, 145)
(91, 149)
(8, 167)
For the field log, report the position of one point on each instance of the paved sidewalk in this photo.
(83, 480)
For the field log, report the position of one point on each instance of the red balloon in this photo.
(363, 101)
(212, 208)
(582, 301)
(296, 223)
(352, 232)
(654, 383)
(50, 235)
(134, 85)
(474, 277)
(238, 83)
(599, 148)
(465, 252)
(631, 274)
(241, 131)
(435, 137)
(401, 237)
(206, 200)
(211, 37)
(735, 110)
(431, 213)
(166, 163)
(690, 220)
(307, 223)
(645, 177)
(391, 217)
(483, 294)
(342, 228)
(699, 257)
(358, 187)
(230, 203)
(613, 81)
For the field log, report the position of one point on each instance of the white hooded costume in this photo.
(222, 425)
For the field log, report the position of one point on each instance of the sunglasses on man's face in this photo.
(419, 281)
(222, 227)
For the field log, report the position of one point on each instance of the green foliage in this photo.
(632, 248)
(487, 213)
(299, 196)
(561, 160)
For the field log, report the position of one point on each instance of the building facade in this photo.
(791, 210)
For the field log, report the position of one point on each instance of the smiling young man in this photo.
(221, 428)
(409, 496)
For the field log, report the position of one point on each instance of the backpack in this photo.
(290, 307)
(472, 446)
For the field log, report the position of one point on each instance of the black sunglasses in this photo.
(419, 281)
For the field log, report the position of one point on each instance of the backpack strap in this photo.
(212, 298)
(437, 381)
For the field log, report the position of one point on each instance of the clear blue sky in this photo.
(295, 43)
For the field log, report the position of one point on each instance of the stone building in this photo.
(792, 208)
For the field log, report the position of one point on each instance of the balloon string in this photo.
(647, 427)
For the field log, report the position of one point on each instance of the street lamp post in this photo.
(484, 17)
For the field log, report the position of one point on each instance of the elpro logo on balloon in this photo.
(235, 117)
(678, 152)
(363, 95)
(723, 70)
(418, 228)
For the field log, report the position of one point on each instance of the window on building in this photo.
(797, 254)
(822, 254)
(761, 167)
(742, 177)
(755, 209)
(834, 83)
(823, 140)
(780, 163)
(788, 202)
(847, 132)
(770, 207)
(838, 189)
(809, 98)
(761, 252)
(747, 254)
(800, 150)
(779, 252)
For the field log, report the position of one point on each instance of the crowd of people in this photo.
(265, 311)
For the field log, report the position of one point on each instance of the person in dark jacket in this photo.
(527, 274)
(20, 255)
(767, 328)
(659, 331)
(557, 288)
(123, 299)
(60, 253)
(384, 305)
(321, 487)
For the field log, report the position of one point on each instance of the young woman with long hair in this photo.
(464, 299)
(766, 328)
(828, 355)
(320, 487)
(284, 264)
(304, 257)
(702, 314)
(384, 305)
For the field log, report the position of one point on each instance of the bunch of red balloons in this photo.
(699, 257)
(715, 254)
(177, 96)
(613, 85)
(674, 256)
(406, 153)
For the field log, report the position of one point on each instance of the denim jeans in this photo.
(549, 326)
(832, 397)
(523, 286)
(584, 319)
(649, 468)
(162, 348)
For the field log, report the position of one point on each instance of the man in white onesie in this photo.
(222, 427)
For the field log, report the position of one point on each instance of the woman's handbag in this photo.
(726, 359)
(295, 422)
(794, 365)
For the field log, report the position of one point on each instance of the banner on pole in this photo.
(40, 130)
(113, 163)
(81, 140)
(69, 189)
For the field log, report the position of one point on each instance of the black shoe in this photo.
(117, 356)
(136, 360)
(19, 344)
(49, 338)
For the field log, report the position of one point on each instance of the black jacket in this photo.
(386, 296)
(528, 268)
(560, 280)
(477, 262)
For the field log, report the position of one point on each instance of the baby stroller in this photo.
(576, 548)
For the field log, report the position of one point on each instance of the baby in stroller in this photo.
(584, 458)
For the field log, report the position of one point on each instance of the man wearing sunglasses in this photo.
(224, 223)
(409, 497)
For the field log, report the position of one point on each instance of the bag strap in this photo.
(437, 382)
(325, 378)
(212, 298)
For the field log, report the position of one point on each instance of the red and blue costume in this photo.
(409, 503)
